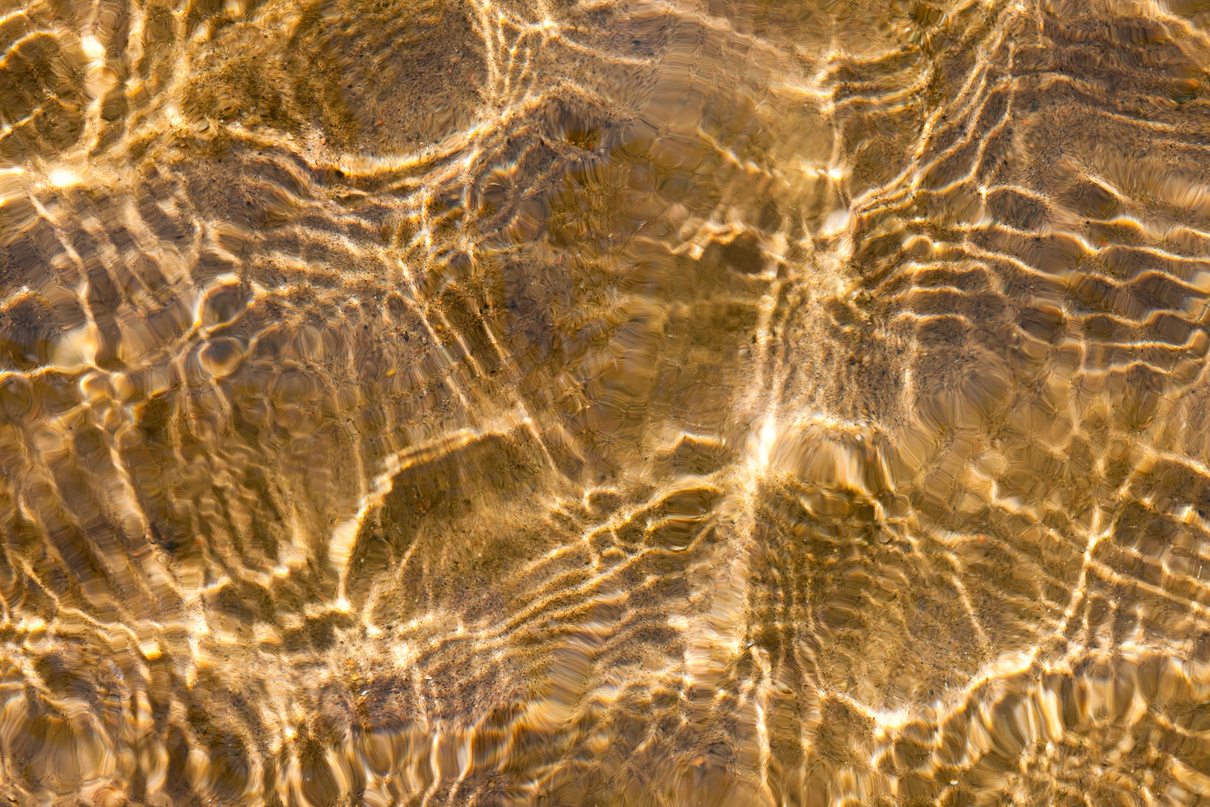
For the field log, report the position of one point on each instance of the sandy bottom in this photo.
(607, 403)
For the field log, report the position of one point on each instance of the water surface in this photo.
(604, 403)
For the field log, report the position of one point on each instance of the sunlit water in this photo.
(605, 403)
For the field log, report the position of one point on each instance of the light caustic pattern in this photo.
(461, 402)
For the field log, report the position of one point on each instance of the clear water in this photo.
(604, 403)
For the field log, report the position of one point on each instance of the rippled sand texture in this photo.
(616, 403)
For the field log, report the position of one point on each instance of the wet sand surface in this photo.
(604, 403)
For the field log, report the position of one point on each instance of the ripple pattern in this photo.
(571, 402)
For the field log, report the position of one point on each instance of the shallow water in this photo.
(604, 403)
